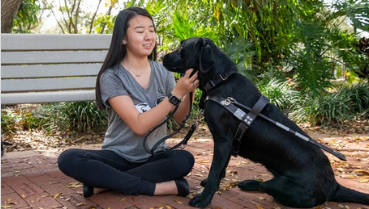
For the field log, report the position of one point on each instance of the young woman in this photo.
(138, 94)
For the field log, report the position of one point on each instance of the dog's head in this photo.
(194, 53)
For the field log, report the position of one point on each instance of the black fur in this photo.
(303, 176)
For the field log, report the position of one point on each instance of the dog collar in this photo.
(217, 79)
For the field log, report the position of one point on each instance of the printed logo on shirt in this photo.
(143, 107)
(159, 99)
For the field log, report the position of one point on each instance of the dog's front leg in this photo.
(221, 155)
(205, 181)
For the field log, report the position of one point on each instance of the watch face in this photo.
(174, 100)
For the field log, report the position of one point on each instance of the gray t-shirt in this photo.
(118, 81)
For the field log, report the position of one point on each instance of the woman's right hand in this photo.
(186, 84)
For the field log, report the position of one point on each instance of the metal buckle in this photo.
(223, 77)
(231, 99)
(225, 102)
(228, 101)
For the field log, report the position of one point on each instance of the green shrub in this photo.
(337, 107)
(359, 97)
(331, 109)
(14, 119)
(8, 121)
(280, 93)
(82, 117)
(75, 117)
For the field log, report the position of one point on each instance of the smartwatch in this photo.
(174, 100)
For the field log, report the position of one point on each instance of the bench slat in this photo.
(42, 71)
(43, 68)
(18, 42)
(51, 84)
(52, 57)
(46, 97)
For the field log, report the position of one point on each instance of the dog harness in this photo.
(245, 118)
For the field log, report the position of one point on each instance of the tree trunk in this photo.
(9, 9)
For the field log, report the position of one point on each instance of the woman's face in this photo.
(140, 38)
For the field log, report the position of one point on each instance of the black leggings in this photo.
(106, 169)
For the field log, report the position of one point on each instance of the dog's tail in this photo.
(345, 194)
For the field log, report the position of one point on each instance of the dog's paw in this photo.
(199, 201)
(249, 185)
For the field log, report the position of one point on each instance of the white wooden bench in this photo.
(44, 68)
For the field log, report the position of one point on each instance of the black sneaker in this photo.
(182, 187)
(87, 191)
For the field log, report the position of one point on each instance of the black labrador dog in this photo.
(303, 176)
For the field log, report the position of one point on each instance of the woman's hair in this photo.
(117, 51)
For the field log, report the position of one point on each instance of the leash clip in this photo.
(228, 101)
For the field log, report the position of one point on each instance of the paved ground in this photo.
(31, 179)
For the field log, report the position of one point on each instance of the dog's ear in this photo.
(206, 57)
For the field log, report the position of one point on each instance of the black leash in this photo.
(231, 105)
(185, 139)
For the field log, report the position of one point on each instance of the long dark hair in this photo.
(117, 51)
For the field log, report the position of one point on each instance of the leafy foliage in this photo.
(312, 74)
(304, 35)
(358, 97)
(83, 116)
(356, 10)
(280, 93)
(335, 108)
(242, 53)
(13, 120)
(286, 46)
(27, 16)
(79, 117)
(8, 121)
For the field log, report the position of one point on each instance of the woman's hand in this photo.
(186, 84)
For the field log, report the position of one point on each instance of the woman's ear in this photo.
(124, 42)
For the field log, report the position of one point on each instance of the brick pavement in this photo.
(31, 179)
